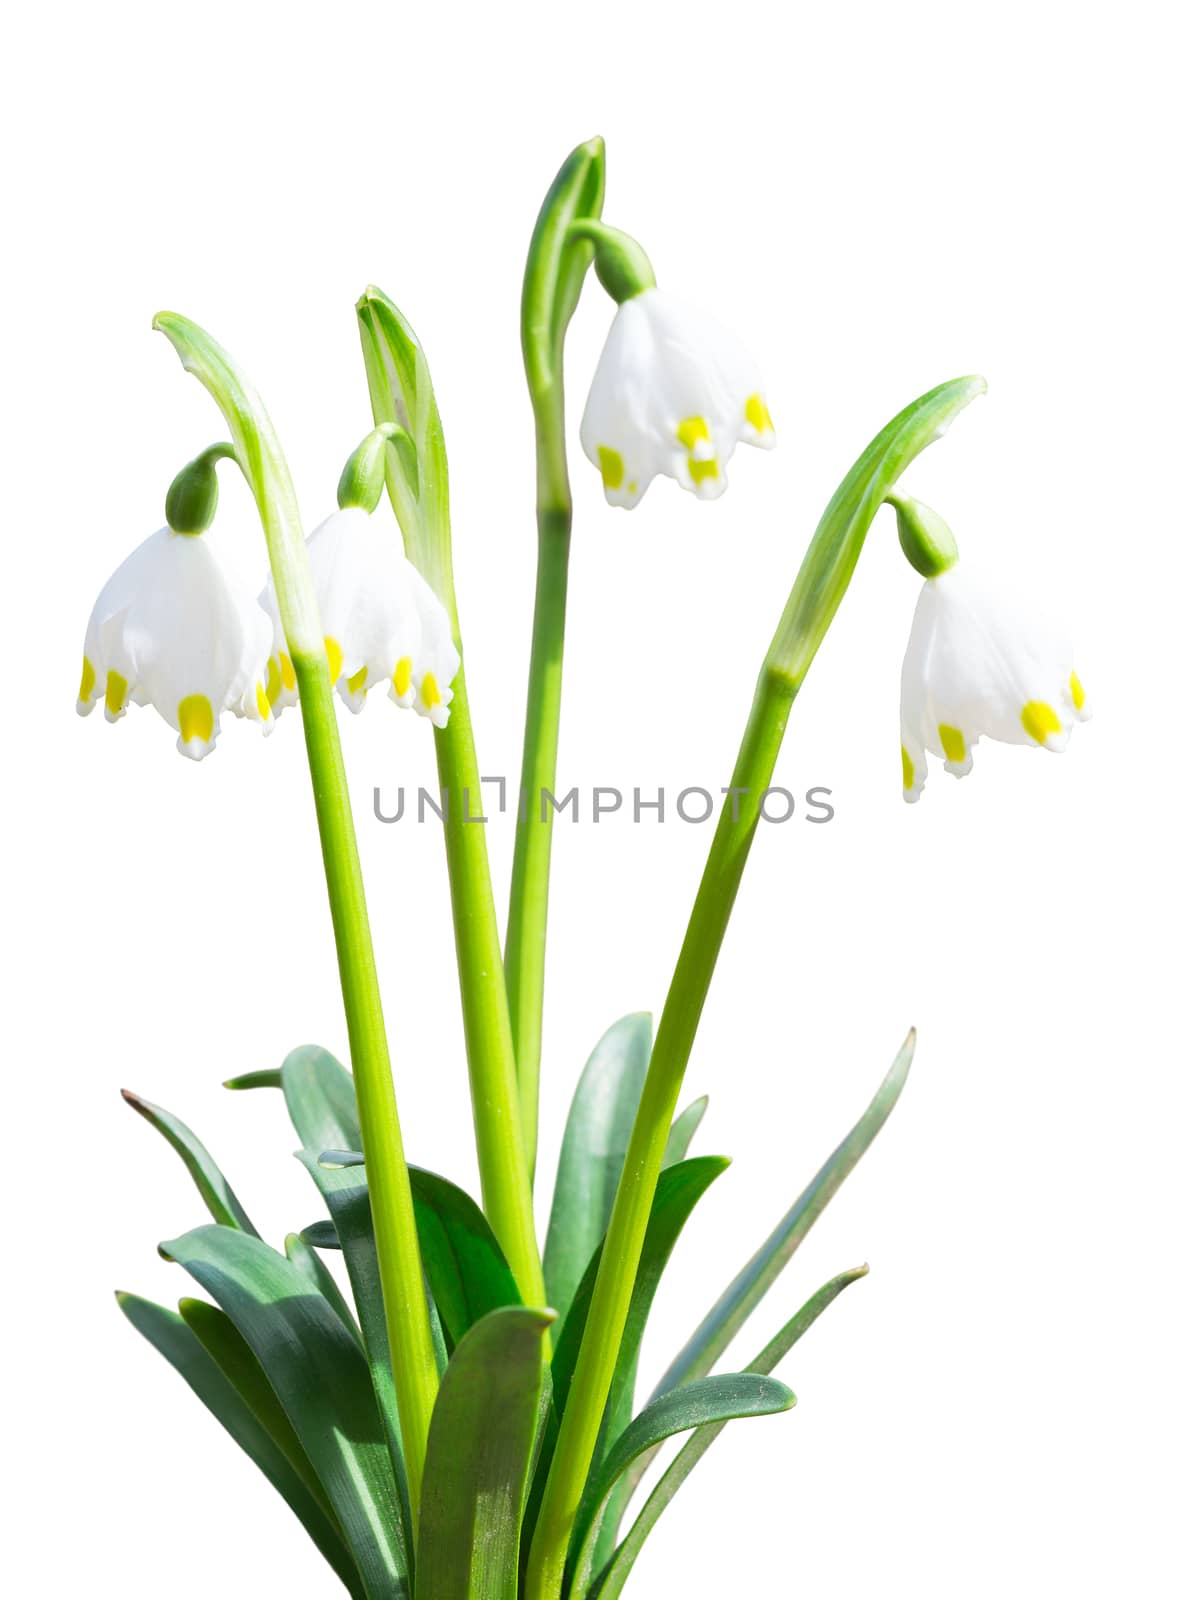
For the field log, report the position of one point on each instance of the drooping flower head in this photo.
(980, 663)
(674, 392)
(381, 620)
(175, 628)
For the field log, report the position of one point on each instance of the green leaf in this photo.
(730, 1312)
(675, 1196)
(678, 1190)
(836, 545)
(480, 1442)
(265, 1078)
(345, 1194)
(175, 1341)
(322, 1235)
(611, 1580)
(593, 1150)
(320, 1378)
(320, 1099)
(710, 1401)
(465, 1265)
(223, 1205)
(241, 1367)
(303, 1256)
(683, 1131)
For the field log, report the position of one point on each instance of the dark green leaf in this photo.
(345, 1194)
(320, 1378)
(467, 1272)
(265, 1078)
(480, 1442)
(610, 1582)
(241, 1367)
(710, 1401)
(593, 1151)
(320, 1100)
(718, 1328)
(303, 1255)
(172, 1338)
(676, 1194)
(223, 1205)
(322, 1235)
(683, 1131)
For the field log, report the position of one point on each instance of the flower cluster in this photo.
(176, 628)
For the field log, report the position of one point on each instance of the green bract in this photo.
(447, 1406)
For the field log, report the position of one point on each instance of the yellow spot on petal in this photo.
(1040, 720)
(196, 719)
(757, 414)
(699, 470)
(906, 767)
(334, 651)
(274, 682)
(358, 682)
(261, 701)
(953, 744)
(612, 468)
(429, 691)
(115, 691)
(87, 682)
(287, 670)
(690, 431)
(402, 677)
(1077, 694)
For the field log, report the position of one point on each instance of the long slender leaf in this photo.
(264, 1078)
(676, 1194)
(464, 1263)
(320, 1378)
(712, 1338)
(319, 1092)
(708, 1402)
(611, 1580)
(683, 1131)
(175, 1341)
(304, 1257)
(226, 1346)
(480, 1442)
(223, 1205)
(593, 1150)
(345, 1195)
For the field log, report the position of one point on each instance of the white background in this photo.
(878, 197)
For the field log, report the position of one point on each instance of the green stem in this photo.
(414, 1365)
(529, 897)
(631, 1211)
(820, 585)
(503, 1174)
(261, 459)
(401, 390)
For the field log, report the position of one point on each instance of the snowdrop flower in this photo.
(675, 392)
(979, 663)
(173, 628)
(381, 620)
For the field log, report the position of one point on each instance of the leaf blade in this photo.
(480, 1442)
(611, 1579)
(593, 1149)
(320, 1378)
(178, 1345)
(734, 1305)
(223, 1205)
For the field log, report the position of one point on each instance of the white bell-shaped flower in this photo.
(174, 628)
(980, 664)
(674, 392)
(381, 620)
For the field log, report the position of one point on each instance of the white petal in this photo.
(175, 628)
(981, 663)
(674, 393)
